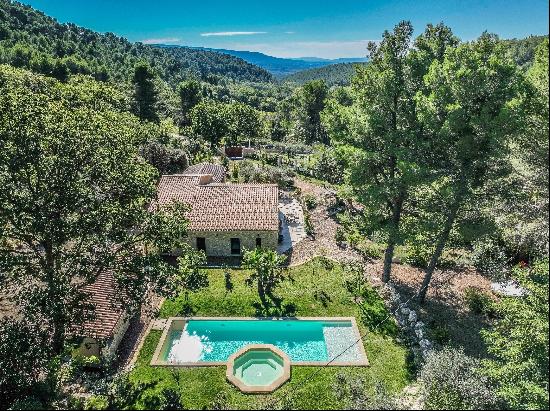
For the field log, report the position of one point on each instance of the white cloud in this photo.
(290, 32)
(164, 40)
(232, 33)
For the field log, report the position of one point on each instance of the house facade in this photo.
(224, 218)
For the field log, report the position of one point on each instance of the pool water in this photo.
(301, 340)
(258, 368)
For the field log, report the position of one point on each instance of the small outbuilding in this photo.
(102, 334)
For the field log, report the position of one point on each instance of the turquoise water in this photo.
(258, 368)
(301, 340)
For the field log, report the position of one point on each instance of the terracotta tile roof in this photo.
(222, 207)
(216, 171)
(108, 310)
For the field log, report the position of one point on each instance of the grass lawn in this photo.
(316, 289)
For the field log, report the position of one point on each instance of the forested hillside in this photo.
(334, 75)
(30, 39)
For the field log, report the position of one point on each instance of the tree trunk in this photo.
(57, 318)
(394, 235)
(261, 294)
(440, 246)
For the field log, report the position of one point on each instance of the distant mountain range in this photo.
(278, 66)
(281, 67)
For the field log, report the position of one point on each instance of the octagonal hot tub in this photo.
(258, 368)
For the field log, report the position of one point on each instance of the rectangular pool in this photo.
(211, 341)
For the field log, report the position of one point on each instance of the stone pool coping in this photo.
(156, 361)
(252, 389)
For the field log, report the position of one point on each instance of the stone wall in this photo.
(218, 244)
(409, 323)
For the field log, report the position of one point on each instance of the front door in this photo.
(201, 244)
(235, 246)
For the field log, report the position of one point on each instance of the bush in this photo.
(340, 235)
(250, 172)
(24, 355)
(439, 332)
(418, 255)
(478, 301)
(308, 225)
(29, 403)
(489, 257)
(452, 380)
(327, 165)
(165, 159)
(518, 342)
(97, 402)
(371, 250)
(351, 391)
(310, 201)
(375, 313)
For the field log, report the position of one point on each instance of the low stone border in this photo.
(255, 389)
(408, 321)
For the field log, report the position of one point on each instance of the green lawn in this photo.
(200, 387)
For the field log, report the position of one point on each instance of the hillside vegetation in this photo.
(334, 75)
(30, 39)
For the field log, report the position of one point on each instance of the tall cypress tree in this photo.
(145, 93)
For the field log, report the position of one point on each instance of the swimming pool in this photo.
(306, 341)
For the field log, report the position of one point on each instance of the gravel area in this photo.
(323, 243)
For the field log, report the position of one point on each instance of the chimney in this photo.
(205, 179)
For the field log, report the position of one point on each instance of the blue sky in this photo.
(286, 28)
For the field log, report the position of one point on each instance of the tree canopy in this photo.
(74, 197)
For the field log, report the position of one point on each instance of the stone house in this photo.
(224, 218)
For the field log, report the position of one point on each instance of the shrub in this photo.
(327, 165)
(478, 301)
(375, 313)
(308, 224)
(310, 201)
(489, 257)
(418, 255)
(371, 250)
(340, 235)
(97, 402)
(351, 391)
(24, 354)
(165, 159)
(452, 380)
(250, 172)
(439, 332)
(29, 403)
(518, 342)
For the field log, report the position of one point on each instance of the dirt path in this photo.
(323, 243)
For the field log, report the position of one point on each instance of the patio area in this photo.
(291, 216)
